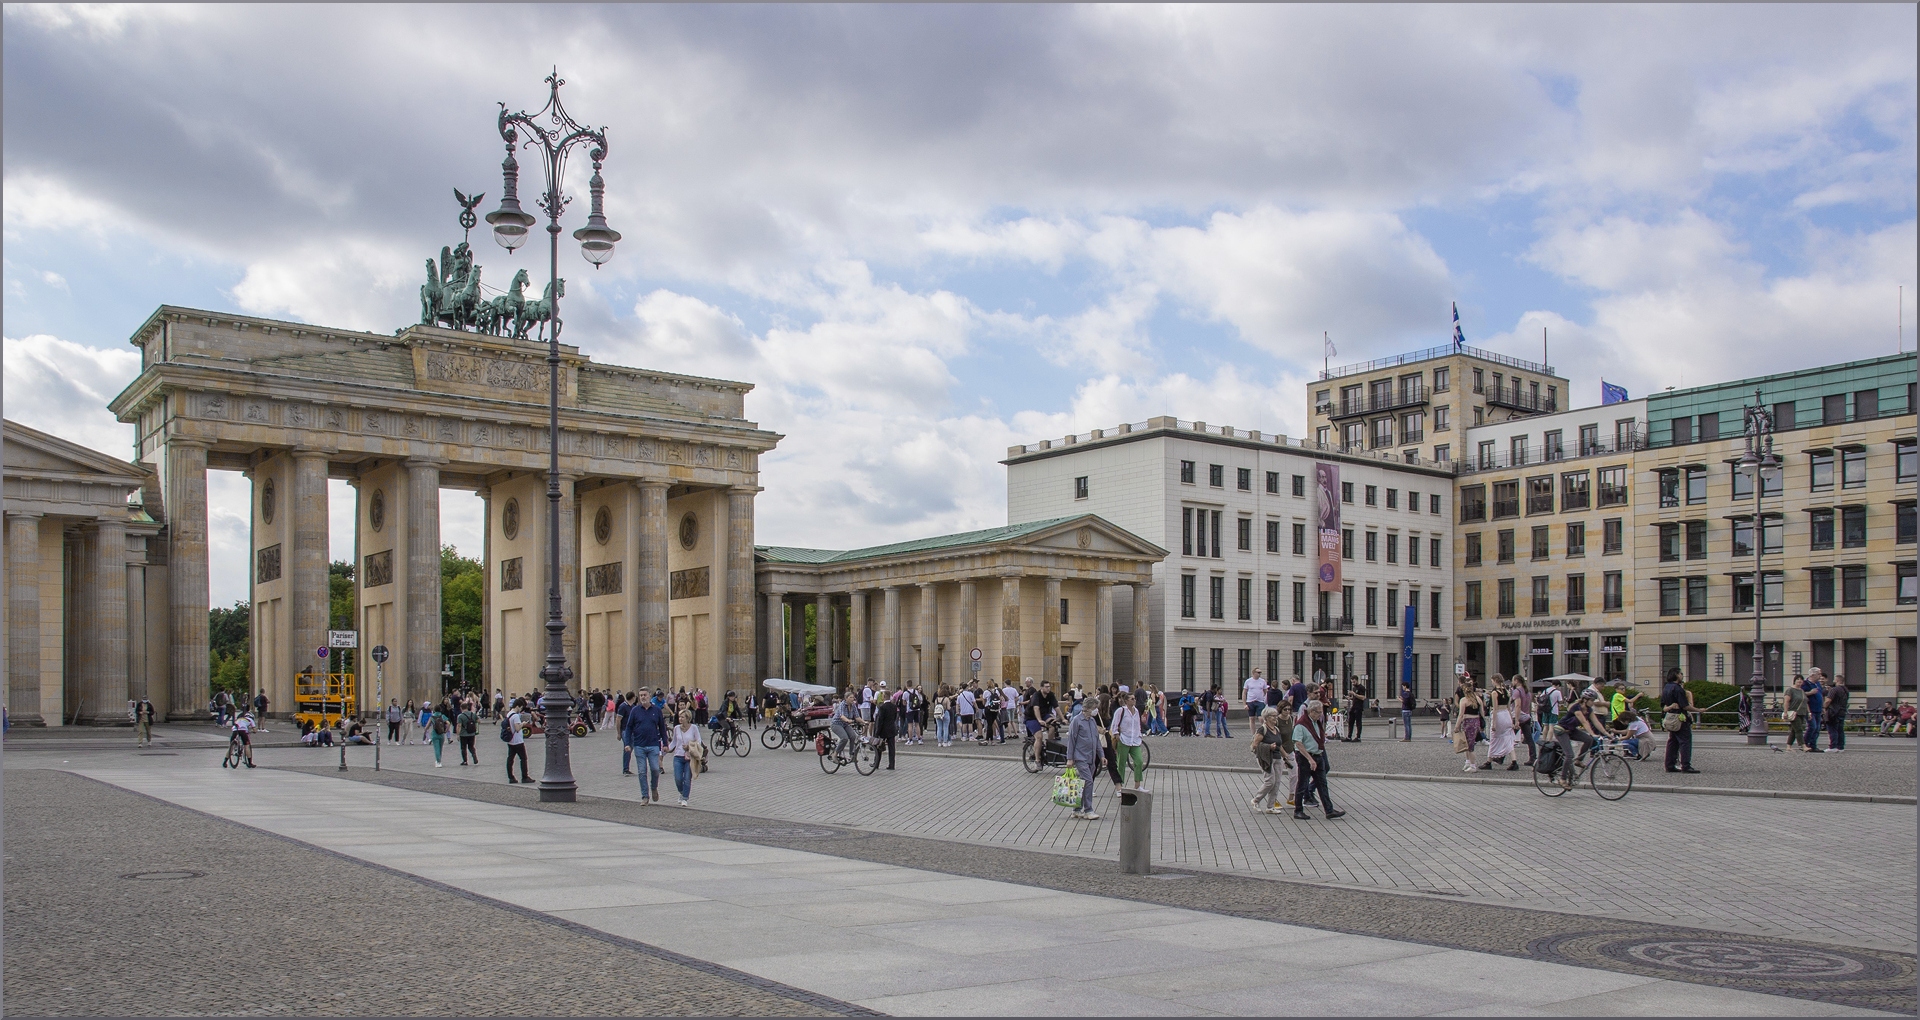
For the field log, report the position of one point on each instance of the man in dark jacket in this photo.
(620, 709)
(1675, 698)
(886, 725)
(643, 732)
(1836, 709)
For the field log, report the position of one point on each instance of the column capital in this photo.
(310, 452)
(188, 442)
(926, 584)
(24, 515)
(422, 462)
(649, 482)
(1103, 584)
(744, 490)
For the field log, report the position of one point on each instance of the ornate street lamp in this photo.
(552, 141)
(1764, 465)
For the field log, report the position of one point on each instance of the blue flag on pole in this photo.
(1459, 338)
(1611, 394)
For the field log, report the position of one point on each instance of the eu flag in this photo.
(1611, 394)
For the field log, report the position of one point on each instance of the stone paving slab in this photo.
(886, 965)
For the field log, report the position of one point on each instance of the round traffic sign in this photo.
(975, 655)
(379, 653)
(321, 651)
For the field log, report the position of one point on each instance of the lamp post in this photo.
(552, 142)
(1764, 465)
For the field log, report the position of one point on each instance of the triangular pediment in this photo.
(1091, 534)
(32, 452)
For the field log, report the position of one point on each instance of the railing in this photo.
(1444, 351)
(1202, 428)
(1503, 461)
(1506, 508)
(1368, 405)
(1333, 624)
(1528, 403)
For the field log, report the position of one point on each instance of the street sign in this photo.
(1459, 669)
(379, 653)
(976, 667)
(975, 654)
(323, 651)
(343, 639)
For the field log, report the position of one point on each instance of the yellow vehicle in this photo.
(322, 698)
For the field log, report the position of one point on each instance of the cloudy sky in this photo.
(927, 232)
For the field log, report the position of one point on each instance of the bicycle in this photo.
(865, 757)
(1606, 768)
(732, 738)
(236, 752)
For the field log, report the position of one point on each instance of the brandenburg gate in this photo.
(658, 476)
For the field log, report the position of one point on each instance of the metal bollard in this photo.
(1136, 832)
(343, 755)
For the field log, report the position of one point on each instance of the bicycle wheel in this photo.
(829, 764)
(866, 758)
(1548, 783)
(1146, 755)
(1610, 776)
(797, 739)
(1030, 755)
(772, 737)
(742, 743)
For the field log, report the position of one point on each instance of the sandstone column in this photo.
(489, 577)
(23, 620)
(970, 628)
(103, 625)
(569, 580)
(739, 659)
(1050, 635)
(188, 598)
(797, 640)
(423, 580)
(1142, 640)
(823, 640)
(890, 636)
(1103, 633)
(857, 665)
(1010, 628)
(929, 635)
(307, 588)
(776, 665)
(651, 575)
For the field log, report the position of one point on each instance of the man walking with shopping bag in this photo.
(1083, 753)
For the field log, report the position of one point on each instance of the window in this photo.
(1080, 487)
(1486, 455)
(1433, 552)
(1682, 431)
(1320, 436)
(1696, 540)
(1382, 432)
(1201, 533)
(1669, 488)
(1273, 602)
(1246, 599)
(1505, 595)
(1574, 491)
(1186, 531)
(1612, 592)
(1822, 587)
(1393, 499)
(1187, 672)
(1393, 547)
(1819, 525)
(1553, 396)
(1473, 600)
(1742, 483)
(1393, 607)
(1576, 593)
(1473, 503)
(1433, 503)
(1906, 591)
(1696, 485)
(1063, 613)
(1866, 404)
(1186, 471)
(1906, 462)
(1441, 379)
(1373, 495)
(1413, 502)
(1576, 540)
(1554, 448)
(1218, 549)
(1541, 604)
(1518, 448)
(1669, 596)
(1346, 543)
(1217, 597)
(1186, 596)
(1853, 527)
(1853, 468)
(1479, 380)
(1413, 550)
(1903, 524)
(1710, 426)
(1373, 546)
(1613, 486)
(1589, 439)
(1412, 388)
(1299, 485)
(1299, 601)
(1773, 591)
(1273, 482)
(1433, 610)
(1216, 476)
(1244, 478)
(1346, 492)
(1273, 536)
(1853, 588)
(1772, 530)
(1540, 494)
(1246, 534)
(1696, 596)
(1478, 414)
(1669, 543)
(1540, 546)
(1473, 549)
(1503, 546)
(1299, 539)
(1443, 418)
(1743, 537)
(1833, 409)
(1506, 500)
(1373, 607)
(1612, 536)
(1784, 417)
(1821, 465)
(1323, 401)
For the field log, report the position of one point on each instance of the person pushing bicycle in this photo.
(243, 727)
(1576, 724)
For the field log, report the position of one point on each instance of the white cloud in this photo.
(62, 388)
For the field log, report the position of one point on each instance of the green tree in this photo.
(462, 583)
(341, 614)
(230, 675)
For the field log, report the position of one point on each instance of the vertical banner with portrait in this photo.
(1327, 484)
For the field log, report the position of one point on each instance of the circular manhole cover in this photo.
(785, 832)
(1707, 955)
(164, 876)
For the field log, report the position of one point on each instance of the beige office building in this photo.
(1418, 406)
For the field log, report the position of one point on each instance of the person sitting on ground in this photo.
(355, 735)
(1632, 729)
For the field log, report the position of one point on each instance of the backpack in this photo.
(1547, 762)
(506, 731)
(440, 724)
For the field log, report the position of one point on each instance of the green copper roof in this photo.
(790, 554)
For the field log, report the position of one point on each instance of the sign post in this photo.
(340, 639)
(975, 657)
(379, 655)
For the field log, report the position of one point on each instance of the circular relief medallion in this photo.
(603, 525)
(1085, 538)
(510, 519)
(689, 530)
(377, 509)
(266, 502)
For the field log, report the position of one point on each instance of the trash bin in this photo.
(1136, 832)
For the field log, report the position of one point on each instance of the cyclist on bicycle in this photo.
(243, 727)
(846, 723)
(1042, 711)
(1576, 724)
